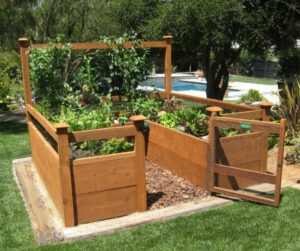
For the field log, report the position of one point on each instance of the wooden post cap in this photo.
(61, 128)
(265, 104)
(23, 42)
(168, 37)
(139, 122)
(214, 109)
(137, 118)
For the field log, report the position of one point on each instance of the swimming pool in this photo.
(177, 85)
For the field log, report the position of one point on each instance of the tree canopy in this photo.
(210, 34)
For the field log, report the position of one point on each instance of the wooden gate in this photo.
(238, 163)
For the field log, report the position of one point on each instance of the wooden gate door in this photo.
(239, 162)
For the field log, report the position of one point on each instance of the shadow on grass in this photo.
(12, 127)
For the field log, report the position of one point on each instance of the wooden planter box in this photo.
(188, 156)
(92, 188)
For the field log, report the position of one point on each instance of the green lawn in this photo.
(241, 226)
(240, 78)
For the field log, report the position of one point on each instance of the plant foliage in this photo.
(252, 96)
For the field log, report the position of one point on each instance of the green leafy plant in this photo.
(10, 84)
(122, 68)
(194, 120)
(191, 120)
(116, 145)
(228, 132)
(86, 118)
(4, 90)
(252, 96)
(50, 75)
(147, 106)
(74, 79)
(169, 119)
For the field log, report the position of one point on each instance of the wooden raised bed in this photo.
(187, 156)
(91, 188)
(101, 187)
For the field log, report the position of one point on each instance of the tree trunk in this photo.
(217, 82)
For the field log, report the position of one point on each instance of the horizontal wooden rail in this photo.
(104, 133)
(269, 127)
(245, 196)
(255, 115)
(48, 126)
(214, 102)
(99, 45)
(245, 173)
(96, 159)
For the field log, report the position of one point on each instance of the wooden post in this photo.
(212, 134)
(168, 66)
(65, 174)
(266, 110)
(24, 54)
(211, 154)
(280, 156)
(214, 110)
(138, 121)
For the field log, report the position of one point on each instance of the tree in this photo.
(280, 22)
(214, 32)
(132, 15)
(67, 17)
(16, 19)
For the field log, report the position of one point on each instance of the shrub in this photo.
(252, 96)
(10, 84)
(4, 90)
(293, 155)
(289, 108)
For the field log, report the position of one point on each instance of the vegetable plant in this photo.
(192, 120)
(86, 118)
(49, 74)
(116, 145)
(147, 106)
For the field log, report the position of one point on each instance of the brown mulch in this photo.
(165, 189)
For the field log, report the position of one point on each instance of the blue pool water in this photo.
(177, 85)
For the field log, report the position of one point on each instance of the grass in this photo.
(241, 226)
(247, 79)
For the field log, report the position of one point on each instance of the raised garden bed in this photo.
(87, 189)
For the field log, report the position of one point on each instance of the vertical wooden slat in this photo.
(24, 54)
(140, 162)
(280, 156)
(168, 66)
(66, 175)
